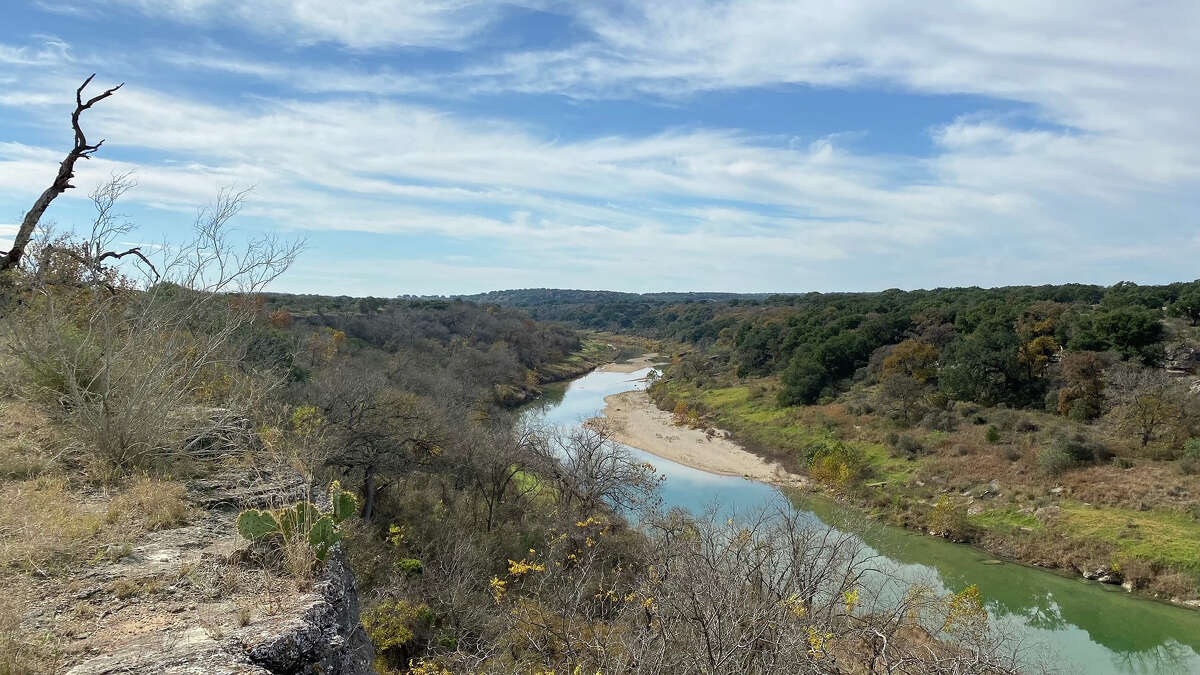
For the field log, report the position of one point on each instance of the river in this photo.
(1089, 627)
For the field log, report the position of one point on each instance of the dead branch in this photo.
(62, 182)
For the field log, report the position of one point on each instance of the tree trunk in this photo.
(62, 182)
(369, 489)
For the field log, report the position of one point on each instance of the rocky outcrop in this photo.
(320, 635)
(324, 636)
(192, 626)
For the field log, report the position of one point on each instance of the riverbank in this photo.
(633, 419)
(1102, 522)
(632, 365)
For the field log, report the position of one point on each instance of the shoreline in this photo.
(633, 365)
(633, 419)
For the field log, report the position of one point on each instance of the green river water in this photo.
(1084, 627)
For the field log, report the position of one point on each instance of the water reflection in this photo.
(1099, 629)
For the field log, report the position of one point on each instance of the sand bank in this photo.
(632, 365)
(634, 420)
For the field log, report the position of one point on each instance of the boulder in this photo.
(1047, 513)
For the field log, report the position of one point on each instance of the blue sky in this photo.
(455, 146)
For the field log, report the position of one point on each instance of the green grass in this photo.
(1159, 537)
(759, 422)
(541, 494)
(1004, 520)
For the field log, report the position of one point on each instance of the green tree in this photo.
(1188, 306)
(802, 381)
(985, 366)
(917, 360)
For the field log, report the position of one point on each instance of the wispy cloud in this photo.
(343, 145)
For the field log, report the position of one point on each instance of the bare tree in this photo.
(592, 472)
(62, 182)
(1145, 401)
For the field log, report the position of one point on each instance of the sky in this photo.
(456, 146)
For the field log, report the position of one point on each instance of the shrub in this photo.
(1026, 426)
(940, 420)
(993, 434)
(394, 624)
(1189, 466)
(1191, 448)
(904, 445)
(836, 463)
(1055, 461)
(948, 519)
(1082, 450)
(409, 567)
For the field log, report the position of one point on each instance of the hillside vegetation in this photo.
(1057, 424)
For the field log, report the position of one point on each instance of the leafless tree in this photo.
(773, 593)
(62, 181)
(1145, 401)
(591, 471)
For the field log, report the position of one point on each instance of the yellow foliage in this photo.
(307, 420)
(498, 588)
(517, 569)
(392, 623)
(817, 641)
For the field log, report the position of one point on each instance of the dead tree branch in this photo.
(62, 182)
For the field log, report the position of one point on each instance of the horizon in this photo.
(454, 146)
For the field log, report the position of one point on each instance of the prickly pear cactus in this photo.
(302, 520)
(323, 536)
(296, 521)
(254, 524)
(345, 504)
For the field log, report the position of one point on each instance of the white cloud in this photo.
(358, 24)
(997, 201)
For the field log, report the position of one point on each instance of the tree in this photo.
(1188, 306)
(802, 381)
(1083, 396)
(917, 360)
(902, 395)
(1145, 401)
(985, 367)
(376, 430)
(62, 182)
(1133, 332)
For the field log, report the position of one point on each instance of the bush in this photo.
(836, 463)
(1055, 461)
(1083, 450)
(948, 519)
(993, 434)
(1191, 448)
(940, 420)
(903, 445)
(1189, 466)
(409, 567)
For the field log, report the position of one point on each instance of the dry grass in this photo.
(26, 437)
(151, 504)
(44, 524)
(21, 651)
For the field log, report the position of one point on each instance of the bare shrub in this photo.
(138, 368)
